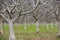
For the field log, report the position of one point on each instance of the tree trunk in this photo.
(12, 34)
(47, 26)
(25, 26)
(52, 25)
(1, 30)
(37, 26)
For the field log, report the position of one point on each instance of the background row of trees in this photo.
(47, 10)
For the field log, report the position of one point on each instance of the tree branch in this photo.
(32, 9)
(57, 14)
(35, 18)
(2, 11)
(3, 3)
(3, 17)
(16, 3)
(13, 9)
(16, 17)
(8, 13)
(23, 13)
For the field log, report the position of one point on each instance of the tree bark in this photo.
(47, 26)
(1, 30)
(12, 34)
(37, 26)
(25, 26)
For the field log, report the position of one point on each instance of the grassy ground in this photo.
(32, 28)
(30, 33)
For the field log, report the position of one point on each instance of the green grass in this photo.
(6, 28)
(28, 33)
(32, 28)
(43, 28)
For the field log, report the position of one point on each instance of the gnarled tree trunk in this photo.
(12, 34)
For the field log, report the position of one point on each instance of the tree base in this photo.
(12, 39)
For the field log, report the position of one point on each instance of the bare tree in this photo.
(10, 20)
(56, 7)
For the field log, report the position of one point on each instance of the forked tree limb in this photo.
(8, 13)
(13, 9)
(20, 13)
(23, 13)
